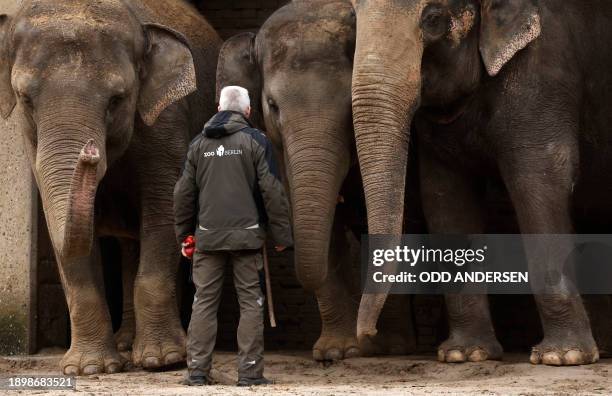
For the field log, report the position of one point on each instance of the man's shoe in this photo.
(196, 380)
(254, 381)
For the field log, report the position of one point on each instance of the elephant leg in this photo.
(159, 154)
(338, 309)
(92, 349)
(338, 322)
(129, 265)
(471, 337)
(540, 183)
(452, 205)
(160, 338)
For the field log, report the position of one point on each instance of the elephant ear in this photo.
(169, 71)
(507, 26)
(238, 66)
(7, 96)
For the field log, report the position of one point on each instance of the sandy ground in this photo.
(296, 374)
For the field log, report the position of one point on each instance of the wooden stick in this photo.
(268, 287)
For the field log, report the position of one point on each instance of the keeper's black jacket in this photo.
(230, 189)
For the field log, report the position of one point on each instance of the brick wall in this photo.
(234, 16)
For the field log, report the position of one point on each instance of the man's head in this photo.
(234, 98)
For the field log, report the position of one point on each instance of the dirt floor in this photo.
(296, 374)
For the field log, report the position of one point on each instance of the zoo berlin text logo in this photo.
(222, 152)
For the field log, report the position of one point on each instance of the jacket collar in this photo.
(225, 123)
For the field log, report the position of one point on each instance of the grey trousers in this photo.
(208, 271)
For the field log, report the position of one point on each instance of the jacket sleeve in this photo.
(186, 198)
(273, 193)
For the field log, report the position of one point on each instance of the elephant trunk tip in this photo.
(366, 331)
(369, 311)
(90, 154)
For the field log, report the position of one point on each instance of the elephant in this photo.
(298, 70)
(109, 94)
(515, 91)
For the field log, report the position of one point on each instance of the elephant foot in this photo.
(461, 348)
(330, 347)
(572, 351)
(124, 337)
(159, 348)
(386, 344)
(91, 358)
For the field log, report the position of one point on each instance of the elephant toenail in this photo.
(352, 352)
(478, 355)
(123, 346)
(113, 368)
(455, 356)
(535, 358)
(573, 358)
(441, 355)
(333, 354)
(172, 357)
(317, 354)
(551, 359)
(71, 370)
(91, 369)
(150, 362)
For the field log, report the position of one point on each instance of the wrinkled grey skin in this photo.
(108, 104)
(516, 90)
(298, 71)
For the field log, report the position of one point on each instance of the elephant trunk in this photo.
(70, 163)
(318, 161)
(386, 93)
(78, 229)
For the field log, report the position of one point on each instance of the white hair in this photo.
(234, 98)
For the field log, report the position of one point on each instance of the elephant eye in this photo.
(272, 105)
(433, 21)
(115, 101)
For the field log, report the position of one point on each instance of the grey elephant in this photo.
(109, 94)
(298, 72)
(512, 90)
(298, 69)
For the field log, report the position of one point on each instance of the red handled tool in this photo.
(188, 247)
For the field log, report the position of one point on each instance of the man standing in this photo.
(229, 189)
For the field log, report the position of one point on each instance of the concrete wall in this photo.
(17, 234)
